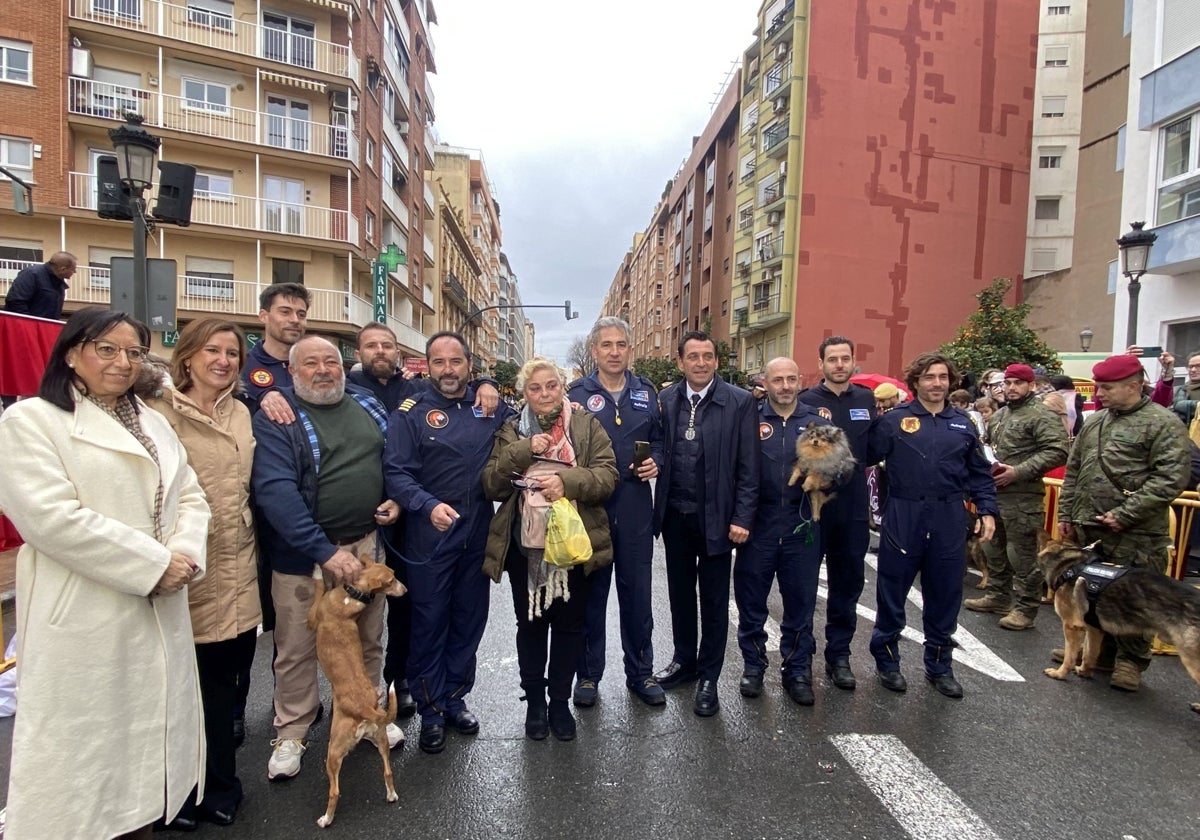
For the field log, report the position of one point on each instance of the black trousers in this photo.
(220, 665)
(565, 643)
(690, 567)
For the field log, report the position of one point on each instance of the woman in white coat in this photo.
(108, 735)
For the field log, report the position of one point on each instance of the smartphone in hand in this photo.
(641, 451)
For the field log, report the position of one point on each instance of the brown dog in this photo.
(975, 555)
(356, 713)
(1139, 602)
(822, 453)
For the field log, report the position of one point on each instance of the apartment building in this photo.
(1161, 173)
(309, 123)
(1076, 296)
(512, 318)
(461, 286)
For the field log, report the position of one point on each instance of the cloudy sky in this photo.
(583, 112)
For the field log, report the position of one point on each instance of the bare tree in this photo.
(579, 357)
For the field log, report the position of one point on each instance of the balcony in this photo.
(427, 247)
(781, 23)
(427, 197)
(770, 251)
(208, 31)
(396, 206)
(774, 141)
(429, 95)
(430, 145)
(1177, 250)
(457, 292)
(778, 80)
(239, 125)
(408, 336)
(244, 212)
(770, 194)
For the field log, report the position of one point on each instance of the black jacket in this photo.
(38, 292)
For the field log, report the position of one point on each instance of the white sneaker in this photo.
(285, 758)
(395, 736)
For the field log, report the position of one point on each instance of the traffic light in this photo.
(567, 311)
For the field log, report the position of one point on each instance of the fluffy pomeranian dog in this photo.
(822, 456)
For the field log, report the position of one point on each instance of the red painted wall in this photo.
(916, 164)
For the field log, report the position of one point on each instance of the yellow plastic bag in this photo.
(567, 542)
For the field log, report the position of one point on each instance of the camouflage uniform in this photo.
(1031, 438)
(1146, 450)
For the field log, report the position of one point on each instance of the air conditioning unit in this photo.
(339, 99)
(753, 66)
(781, 51)
(783, 170)
(780, 104)
(81, 62)
(402, 126)
(773, 217)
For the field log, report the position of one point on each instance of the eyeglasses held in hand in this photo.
(108, 351)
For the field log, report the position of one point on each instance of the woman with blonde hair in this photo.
(214, 427)
(548, 452)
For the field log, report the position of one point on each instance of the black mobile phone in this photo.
(1151, 352)
(641, 451)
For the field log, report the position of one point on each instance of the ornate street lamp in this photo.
(136, 151)
(1135, 256)
(1085, 339)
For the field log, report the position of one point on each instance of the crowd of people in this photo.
(169, 514)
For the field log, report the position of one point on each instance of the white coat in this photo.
(109, 733)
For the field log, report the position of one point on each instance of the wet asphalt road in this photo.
(1016, 759)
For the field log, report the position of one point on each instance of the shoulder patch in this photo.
(261, 377)
(437, 418)
(910, 424)
(825, 413)
(765, 430)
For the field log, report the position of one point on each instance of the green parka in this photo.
(1031, 439)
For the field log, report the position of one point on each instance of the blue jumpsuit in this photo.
(631, 520)
(435, 452)
(844, 535)
(784, 541)
(934, 462)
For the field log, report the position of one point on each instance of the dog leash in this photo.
(381, 541)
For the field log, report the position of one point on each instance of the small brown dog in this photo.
(822, 454)
(356, 713)
(1138, 602)
(975, 555)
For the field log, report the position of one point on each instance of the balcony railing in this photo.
(777, 76)
(239, 125)
(244, 212)
(408, 336)
(213, 31)
(777, 134)
(770, 194)
(427, 196)
(457, 290)
(427, 246)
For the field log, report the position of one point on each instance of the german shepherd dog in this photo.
(822, 453)
(1142, 601)
(356, 713)
(975, 555)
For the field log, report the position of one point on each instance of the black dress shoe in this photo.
(800, 690)
(216, 816)
(406, 706)
(707, 704)
(180, 823)
(433, 738)
(537, 724)
(751, 684)
(893, 681)
(946, 685)
(675, 675)
(841, 675)
(464, 722)
(239, 731)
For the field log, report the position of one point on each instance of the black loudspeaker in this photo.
(175, 184)
(112, 198)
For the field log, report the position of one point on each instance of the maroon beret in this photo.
(1022, 372)
(1116, 368)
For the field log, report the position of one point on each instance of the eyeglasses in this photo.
(999, 384)
(108, 351)
(1193, 367)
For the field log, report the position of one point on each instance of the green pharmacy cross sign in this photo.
(389, 259)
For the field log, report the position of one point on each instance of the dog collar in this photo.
(358, 594)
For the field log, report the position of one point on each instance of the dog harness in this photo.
(358, 594)
(1097, 577)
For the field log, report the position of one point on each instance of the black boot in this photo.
(562, 722)
(537, 726)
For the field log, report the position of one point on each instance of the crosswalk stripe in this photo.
(916, 798)
(772, 627)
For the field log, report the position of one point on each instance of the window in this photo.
(370, 226)
(658, 289)
(16, 61)
(122, 9)
(1056, 56)
(1050, 157)
(287, 39)
(200, 95)
(1054, 106)
(1058, 10)
(1179, 178)
(1043, 259)
(17, 155)
(661, 236)
(1046, 208)
(370, 152)
(287, 271)
(287, 123)
(216, 186)
(217, 14)
(207, 278)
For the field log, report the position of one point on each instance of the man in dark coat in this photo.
(39, 290)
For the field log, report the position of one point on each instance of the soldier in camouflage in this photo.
(1130, 461)
(1029, 440)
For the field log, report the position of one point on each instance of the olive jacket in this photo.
(1031, 438)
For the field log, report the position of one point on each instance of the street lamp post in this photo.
(1085, 339)
(136, 150)
(1135, 256)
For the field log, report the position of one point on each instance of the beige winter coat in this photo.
(221, 450)
(108, 733)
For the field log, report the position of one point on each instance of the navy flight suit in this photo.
(435, 452)
(934, 462)
(784, 541)
(631, 520)
(844, 535)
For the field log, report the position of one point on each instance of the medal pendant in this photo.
(690, 434)
(618, 421)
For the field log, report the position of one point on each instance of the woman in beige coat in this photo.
(108, 737)
(215, 430)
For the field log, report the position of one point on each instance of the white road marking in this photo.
(918, 800)
(772, 627)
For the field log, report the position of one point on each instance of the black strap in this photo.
(1100, 459)
(358, 594)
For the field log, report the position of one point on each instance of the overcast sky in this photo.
(582, 111)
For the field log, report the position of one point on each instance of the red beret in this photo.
(1116, 368)
(1022, 372)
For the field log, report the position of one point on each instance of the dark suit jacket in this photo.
(37, 291)
(729, 434)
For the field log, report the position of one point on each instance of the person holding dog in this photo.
(934, 462)
(320, 481)
(1130, 461)
(115, 527)
(785, 543)
(550, 451)
(1029, 440)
